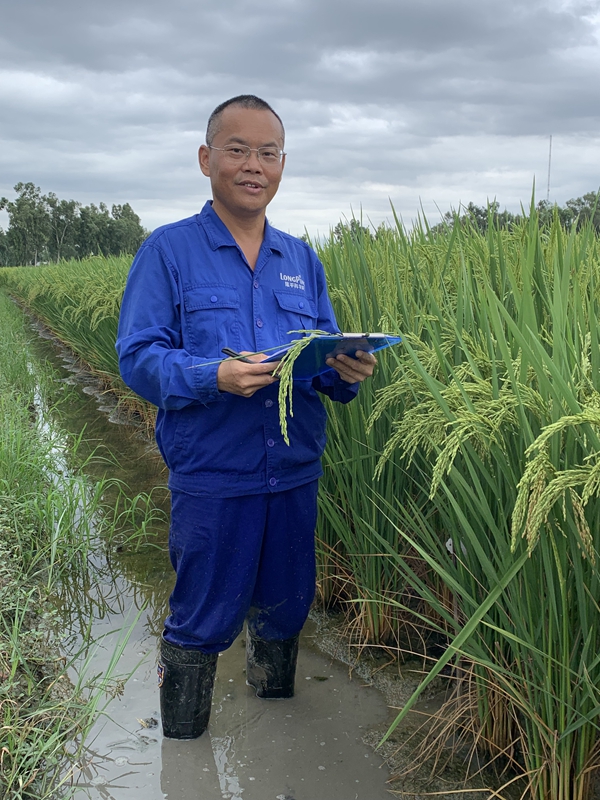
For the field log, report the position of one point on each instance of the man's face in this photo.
(243, 190)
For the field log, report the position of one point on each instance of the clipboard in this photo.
(311, 361)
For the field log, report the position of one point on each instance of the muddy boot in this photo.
(185, 679)
(271, 666)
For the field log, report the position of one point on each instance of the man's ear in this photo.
(203, 159)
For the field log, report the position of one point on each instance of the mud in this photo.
(304, 748)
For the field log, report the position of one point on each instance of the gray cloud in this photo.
(392, 99)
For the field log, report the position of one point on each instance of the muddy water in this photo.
(307, 748)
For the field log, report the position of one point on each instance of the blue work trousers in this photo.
(239, 557)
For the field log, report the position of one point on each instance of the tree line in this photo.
(576, 212)
(44, 228)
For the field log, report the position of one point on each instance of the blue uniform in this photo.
(190, 293)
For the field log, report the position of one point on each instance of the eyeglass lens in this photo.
(239, 152)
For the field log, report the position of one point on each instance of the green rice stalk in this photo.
(496, 405)
(284, 373)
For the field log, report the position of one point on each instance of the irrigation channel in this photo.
(307, 748)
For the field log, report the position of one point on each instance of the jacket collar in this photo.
(219, 235)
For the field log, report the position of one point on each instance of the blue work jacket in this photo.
(191, 292)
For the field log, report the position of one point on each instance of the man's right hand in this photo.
(241, 378)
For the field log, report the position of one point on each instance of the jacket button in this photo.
(213, 299)
(271, 442)
(300, 304)
(268, 403)
(273, 482)
(259, 323)
(256, 284)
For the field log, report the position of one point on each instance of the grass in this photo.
(52, 521)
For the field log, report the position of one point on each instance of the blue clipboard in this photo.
(311, 361)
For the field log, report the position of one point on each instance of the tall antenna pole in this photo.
(549, 168)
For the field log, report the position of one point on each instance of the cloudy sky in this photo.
(424, 103)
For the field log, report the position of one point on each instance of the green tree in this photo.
(128, 231)
(29, 224)
(484, 216)
(63, 227)
(586, 208)
(547, 210)
(4, 249)
(44, 227)
(100, 231)
(352, 231)
(95, 231)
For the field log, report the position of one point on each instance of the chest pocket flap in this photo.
(297, 303)
(210, 297)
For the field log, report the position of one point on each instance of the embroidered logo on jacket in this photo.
(293, 281)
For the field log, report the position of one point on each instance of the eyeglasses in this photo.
(269, 156)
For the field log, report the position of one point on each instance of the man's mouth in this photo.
(251, 184)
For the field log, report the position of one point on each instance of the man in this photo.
(243, 503)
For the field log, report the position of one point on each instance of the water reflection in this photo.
(190, 769)
(123, 574)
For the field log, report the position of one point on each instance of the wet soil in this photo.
(304, 748)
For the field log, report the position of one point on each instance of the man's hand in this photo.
(239, 377)
(353, 370)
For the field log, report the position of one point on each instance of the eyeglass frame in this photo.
(250, 150)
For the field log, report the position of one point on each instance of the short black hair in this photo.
(243, 101)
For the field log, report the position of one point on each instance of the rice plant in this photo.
(79, 301)
(496, 406)
(376, 284)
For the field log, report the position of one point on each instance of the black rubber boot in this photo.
(185, 679)
(271, 666)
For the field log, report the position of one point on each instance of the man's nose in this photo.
(253, 162)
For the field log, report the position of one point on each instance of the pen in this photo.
(232, 353)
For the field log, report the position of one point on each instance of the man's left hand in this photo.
(353, 370)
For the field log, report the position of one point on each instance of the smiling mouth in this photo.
(251, 185)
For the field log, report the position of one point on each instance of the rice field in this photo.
(459, 507)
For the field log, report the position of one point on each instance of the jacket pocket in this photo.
(296, 312)
(211, 319)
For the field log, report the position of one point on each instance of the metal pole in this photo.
(549, 167)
